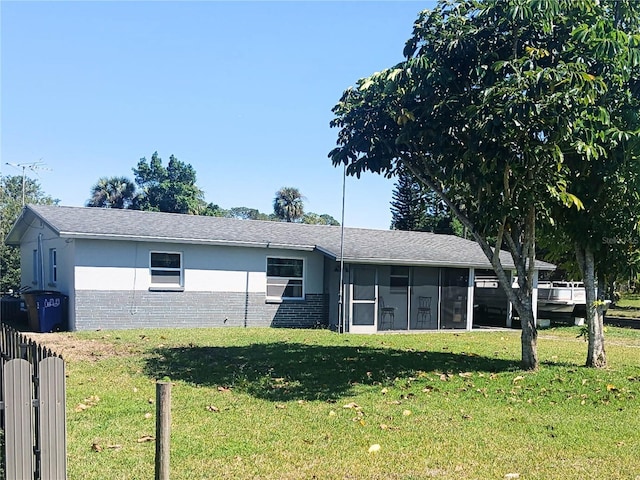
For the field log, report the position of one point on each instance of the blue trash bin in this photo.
(47, 310)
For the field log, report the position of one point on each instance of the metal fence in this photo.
(32, 407)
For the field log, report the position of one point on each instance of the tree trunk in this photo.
(595, 316)
(528, 337)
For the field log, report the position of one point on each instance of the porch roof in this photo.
(360, 245)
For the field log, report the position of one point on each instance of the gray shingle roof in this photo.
(360, 245)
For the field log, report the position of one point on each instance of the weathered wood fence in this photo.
(32, 409)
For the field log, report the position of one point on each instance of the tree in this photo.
(605, 169)
(315, 219)
(10, 208)
(112, 192)
(172, 189)
(288, 204)
(245, 213)
(489, 102)
(407, 204)
(413, 207)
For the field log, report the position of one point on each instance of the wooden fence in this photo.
(32, 407)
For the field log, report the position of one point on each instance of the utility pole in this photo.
(34, 167)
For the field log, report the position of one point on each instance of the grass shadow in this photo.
(283, 371)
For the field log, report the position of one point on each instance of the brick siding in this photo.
(123, 309)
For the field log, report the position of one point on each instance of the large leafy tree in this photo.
(168, 189)
(112, 192)
(605, 166)
(488, 104)
(288, 204)
(11, 190)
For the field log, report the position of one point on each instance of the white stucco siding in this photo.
(122, 265)
(64, 260)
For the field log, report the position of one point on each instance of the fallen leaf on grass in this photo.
(466, 374)
(352, 405)
(332, 413)
(224, 389)
(518, 378)
(281, 406)
(213, 408)
(384, 391)
(406, 413)
(146, 438)
(96, 448)
(374, 448)
(114, 447)
(611, 388)
(88, 403)
(511, 476)
(148, 415)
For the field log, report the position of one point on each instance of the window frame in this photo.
(53, 266)
(157, 286)
(301, 278)
(34, 270)
(399, 281)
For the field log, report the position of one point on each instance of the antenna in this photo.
(33, 166)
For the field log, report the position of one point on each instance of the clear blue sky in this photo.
(242, 91)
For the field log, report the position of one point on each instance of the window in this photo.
(399, 279)
(53, 266)
(35, 267)
(166, 270)
(285, 278)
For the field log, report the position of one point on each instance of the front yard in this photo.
(291, 404)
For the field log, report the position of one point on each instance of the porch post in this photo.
(510, 305)
(470, 299)
(534, 298)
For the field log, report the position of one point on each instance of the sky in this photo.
(242, 91)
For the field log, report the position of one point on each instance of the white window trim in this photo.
(272, 299)
(166, 286)
(34, 271)
(53, 267)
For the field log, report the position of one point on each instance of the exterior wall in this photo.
(48, 240)
(109, 309)
(122, 265)
(223, 286)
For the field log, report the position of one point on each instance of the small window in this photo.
(53, 266)
(35, 267)
(166, 270)
(285, 278)
(399, 279)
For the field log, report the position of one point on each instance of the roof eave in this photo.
(191, 241)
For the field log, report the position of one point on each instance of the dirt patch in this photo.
(73, 348)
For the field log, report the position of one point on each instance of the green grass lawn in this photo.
(628, 307)
(305, 404)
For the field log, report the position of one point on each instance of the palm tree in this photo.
(288, 204)
(112, 192)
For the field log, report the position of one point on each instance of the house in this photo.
(135, 269)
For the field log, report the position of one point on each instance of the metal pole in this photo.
(163, 429)
(341, 294)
